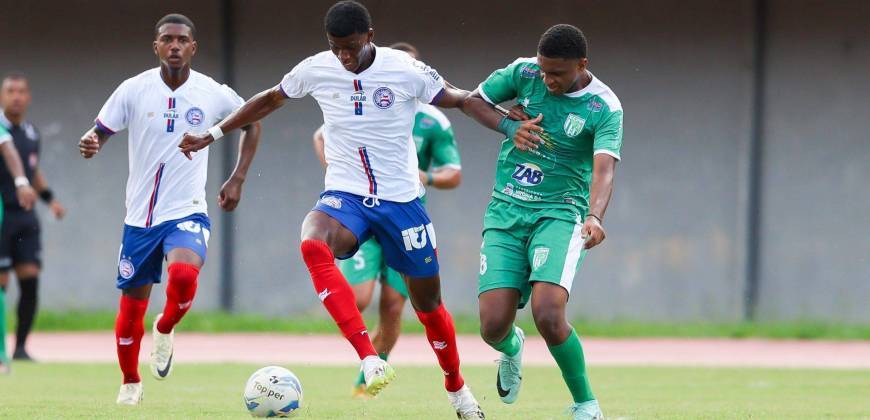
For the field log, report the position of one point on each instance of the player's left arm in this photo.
(40, 184)
(606, 145)
(231, 192)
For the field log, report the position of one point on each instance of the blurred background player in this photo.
(552, 187)
(20, 245)
(25, 196)
(166, 205)
(369, 97)
(439, 164)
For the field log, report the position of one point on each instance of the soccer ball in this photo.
(273, 392)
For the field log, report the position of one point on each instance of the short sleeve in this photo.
(231, 101)
(428, 84)
(296, 84)
(500, 86)
(114, 116)
(445, 153)
(608, 135)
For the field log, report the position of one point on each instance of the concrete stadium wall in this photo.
(676, 227)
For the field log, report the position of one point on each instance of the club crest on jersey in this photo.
(194, 116)
(383, 97)
(126, 269)
(573, 125)
(528, 174)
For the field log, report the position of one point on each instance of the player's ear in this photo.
(154, 45)
(193, 50)
(582, 63)
(371, 35)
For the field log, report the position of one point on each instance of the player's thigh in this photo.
(140, 258)
(393, 282)
(338, 219)
(186, 240)
(503, 266)
(26, 270)
(555, 251)
(407, 238)
(8, 239)
(27, 247)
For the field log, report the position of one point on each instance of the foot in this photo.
(588, 410)
(161, 353)
(21, 354)
(5, 369)
(130, 394)
(465, 404)
(359, 391)
(509, 377)
(378, 374)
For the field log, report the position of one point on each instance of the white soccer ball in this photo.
(273, 392)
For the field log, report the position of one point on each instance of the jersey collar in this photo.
(379, 58)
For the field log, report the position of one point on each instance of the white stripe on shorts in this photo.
(575, 249)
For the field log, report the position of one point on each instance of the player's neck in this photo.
(584, 80)
(174, 78)
(368, 60)
(14, 119)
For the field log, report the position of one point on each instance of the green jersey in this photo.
(433, 136)
(577, 126)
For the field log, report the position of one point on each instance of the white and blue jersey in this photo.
(166, 205)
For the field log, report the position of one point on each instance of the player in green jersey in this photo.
(554, 179)
(438, 159)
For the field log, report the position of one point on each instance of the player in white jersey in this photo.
(368, 96)
(166, 204)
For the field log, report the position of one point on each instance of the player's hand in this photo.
(57, 209)
(26, 196)
(194, 142)
(518, 113)
(230, 194)
(89, 145)
(526, 137)
(592, 232)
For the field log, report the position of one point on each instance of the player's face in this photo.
(351, 50)
(175, 46)
(15, 96)
(561, 75)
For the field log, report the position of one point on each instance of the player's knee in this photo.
(551, 323)
(493, 330)
(315, 251)
(393, 308)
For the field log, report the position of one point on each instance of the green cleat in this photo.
(509, 377)
(588, 410)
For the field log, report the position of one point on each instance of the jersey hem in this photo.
(606, 152)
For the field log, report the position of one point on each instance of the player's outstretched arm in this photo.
(231, 192)
(257, 108)
(603, 168)
(522, 132)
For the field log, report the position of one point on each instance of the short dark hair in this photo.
(563, 41)
(175, 18)
(406, 47)
(347, 18)
(15, 75)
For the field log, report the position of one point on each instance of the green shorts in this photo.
(523, 245)
(368, 264)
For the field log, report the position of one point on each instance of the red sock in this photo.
(336, 295)
(442, 338)
(129, 329)
(179, 295)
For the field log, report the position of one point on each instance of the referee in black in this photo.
(20, 247)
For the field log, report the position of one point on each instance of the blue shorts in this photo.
(404, 230)
(143, 249)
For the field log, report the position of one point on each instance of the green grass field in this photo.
(218, 322)
(88, 391)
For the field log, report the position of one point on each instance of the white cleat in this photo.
(378, 374)
(465, 404)
(130, 394)
(588, 410)
(509, 376)
(161, 352)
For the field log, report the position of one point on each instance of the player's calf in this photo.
(180, 291)
(129, 329)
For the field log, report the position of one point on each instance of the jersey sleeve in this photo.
(296, 84)
(231, 101)
(428, 84)
(115, 114)
(445, 153)
(608, 135)
(500, 86)
(4, 135)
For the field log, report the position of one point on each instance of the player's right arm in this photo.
(113, 117)
(318, 143)
(24, 192)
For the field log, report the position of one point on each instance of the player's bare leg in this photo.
(548, 309)
(498, 309)
(425, 294)
(183, 267)
(129, 329)
(323, 237)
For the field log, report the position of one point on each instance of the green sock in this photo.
(510, 345)
(361, 379)
(569, 357)
(3, 326)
